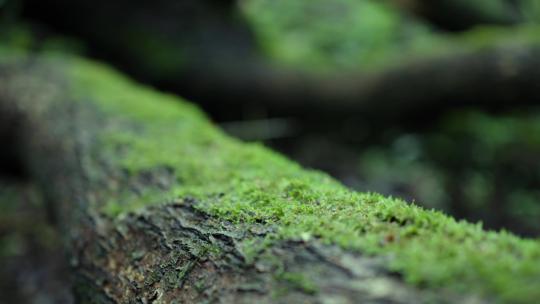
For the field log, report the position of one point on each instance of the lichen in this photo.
(248, 183)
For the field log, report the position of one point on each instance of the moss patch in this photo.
(249, 183)
(298, 281)
(324, 35)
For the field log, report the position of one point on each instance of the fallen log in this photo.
(156, 205)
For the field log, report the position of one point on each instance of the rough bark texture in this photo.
(189, 248)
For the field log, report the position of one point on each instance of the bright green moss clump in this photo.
(248, 183)
(331, 35)
(325, 34)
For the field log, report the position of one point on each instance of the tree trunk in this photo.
(155, 208)
(170, 253)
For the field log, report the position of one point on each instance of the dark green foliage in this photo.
(344, 33)
(474, 165)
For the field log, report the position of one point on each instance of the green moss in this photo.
(324, 34)
(298, 281)
(200, 286)
(489, 36)
(17, 37)
(117, 206)
(370, 35)
(249, 183)
(24, 38)
(531, 10)
(175, 278)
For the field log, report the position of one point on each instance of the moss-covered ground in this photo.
(249, 183)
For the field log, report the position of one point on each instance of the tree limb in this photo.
(158, 206)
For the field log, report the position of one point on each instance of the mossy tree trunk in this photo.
(170, 253)
(157, 206)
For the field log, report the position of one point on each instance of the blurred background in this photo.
(433, 101)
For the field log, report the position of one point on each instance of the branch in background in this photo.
(211, 57)
(460, 15)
